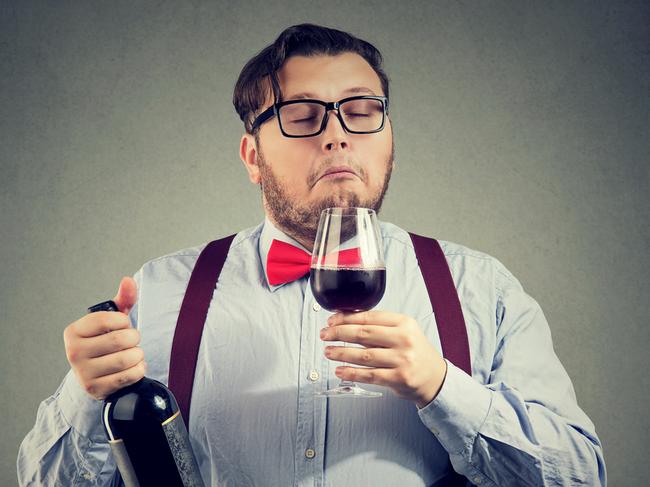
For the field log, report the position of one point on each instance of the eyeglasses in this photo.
(307, 118)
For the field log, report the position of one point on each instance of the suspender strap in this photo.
(444, 300)
(189, 327)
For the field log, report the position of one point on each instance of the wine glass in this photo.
(348, 273)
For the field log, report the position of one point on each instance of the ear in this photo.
(248, 155)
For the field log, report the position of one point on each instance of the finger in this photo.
(367, 376)
(95, 324)
(366, 335)
(369, 357)
(108, 343)
(127, 294)
(383, 318)
(112, 363)
(104, 386)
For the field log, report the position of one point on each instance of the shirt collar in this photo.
(269, 233)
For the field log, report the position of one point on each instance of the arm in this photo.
(68, 445)
(524, 426)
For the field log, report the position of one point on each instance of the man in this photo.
(268, 347)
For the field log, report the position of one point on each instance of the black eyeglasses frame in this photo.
(274, 111)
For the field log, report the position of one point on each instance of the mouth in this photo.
(338, 172)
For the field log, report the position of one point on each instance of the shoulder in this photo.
(183, 260)
(462, 260)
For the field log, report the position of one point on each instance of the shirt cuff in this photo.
(457, 413)
(82, 412)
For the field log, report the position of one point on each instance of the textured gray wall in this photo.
(521, 130)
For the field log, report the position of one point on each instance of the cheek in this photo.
(289, 163)
(378, 152)
(281, 155)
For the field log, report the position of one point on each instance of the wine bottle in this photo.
(147, 433)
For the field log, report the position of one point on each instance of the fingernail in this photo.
(330, 320)
(328, 351)
(323, 332)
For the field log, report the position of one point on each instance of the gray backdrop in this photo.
(521, 131)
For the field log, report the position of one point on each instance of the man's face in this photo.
(295, 174)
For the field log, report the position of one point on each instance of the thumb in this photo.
(127, 295)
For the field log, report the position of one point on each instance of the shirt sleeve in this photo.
(68, 445)
(523, 427)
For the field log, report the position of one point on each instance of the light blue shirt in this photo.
(256, 421)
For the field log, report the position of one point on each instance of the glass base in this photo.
(348, 390)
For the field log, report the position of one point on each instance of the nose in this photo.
(334, 136)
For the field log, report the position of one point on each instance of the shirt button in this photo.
(313, 376)
(476, 480)
(310, 453)
(316, 307)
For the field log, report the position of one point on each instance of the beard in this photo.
(300, 221)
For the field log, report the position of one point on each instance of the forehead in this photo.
(327, 77)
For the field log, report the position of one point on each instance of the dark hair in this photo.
(252, 89)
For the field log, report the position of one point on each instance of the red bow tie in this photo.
(286, 263)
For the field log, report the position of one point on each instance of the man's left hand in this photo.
(396, 354)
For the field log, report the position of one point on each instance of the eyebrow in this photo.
(351, 91)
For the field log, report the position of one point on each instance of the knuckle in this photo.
(122, 380)
(134, 335)
(132, 357)
(72, 330)
(335, 333)
(407, 340)
(102, 322)
(363, 332)
(72, 354)
(408, 381)
(411, 382)
(119, 340)
(90, 388)
(138, 354)
(125, 360)
(121, 362)
(408, 358)
(366, 356)
(401, 376)
(371, 376)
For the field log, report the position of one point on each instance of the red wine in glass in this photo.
(348, 290)
(348, 273)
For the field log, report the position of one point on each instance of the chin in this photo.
(346, 200)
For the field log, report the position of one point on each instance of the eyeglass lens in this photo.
(364, 115)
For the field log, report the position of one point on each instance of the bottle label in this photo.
(179, 444)
(124, 463)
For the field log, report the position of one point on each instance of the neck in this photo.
(307, 243)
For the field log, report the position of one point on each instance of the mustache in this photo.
(329, 162)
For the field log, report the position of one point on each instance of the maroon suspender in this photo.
(189, 327)
(202, 283)
(444, 301)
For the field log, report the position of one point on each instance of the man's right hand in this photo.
(102, 347)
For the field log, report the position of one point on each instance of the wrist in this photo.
(435, 386)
